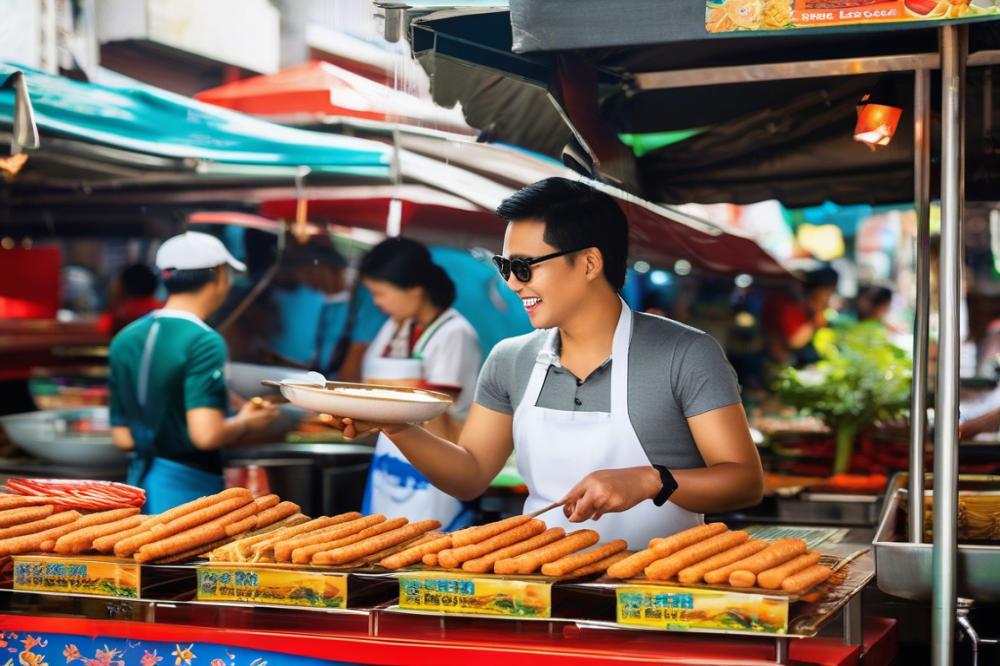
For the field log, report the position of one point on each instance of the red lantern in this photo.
(876, 122)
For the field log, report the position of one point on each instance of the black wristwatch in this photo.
(669, 485)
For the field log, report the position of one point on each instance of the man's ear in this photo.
(593, 263)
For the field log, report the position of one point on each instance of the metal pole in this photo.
(922, 203)
(954, 46)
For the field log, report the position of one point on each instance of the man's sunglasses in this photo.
(521, 266)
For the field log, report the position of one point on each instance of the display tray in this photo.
(97, 576)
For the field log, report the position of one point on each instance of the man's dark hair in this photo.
(139, 280)
(575, 216)
(825, 276)
(188, 281)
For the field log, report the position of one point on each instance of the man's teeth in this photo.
(531, 302)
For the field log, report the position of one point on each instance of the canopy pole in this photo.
(921, 200)
(954, 47)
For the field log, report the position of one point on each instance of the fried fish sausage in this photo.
(773, 578)
(452, 558)
(742, 578)
(30, 542)
(304, 555)
(82, 539)
(161, 530)
(485, 563)
(55, 520)
(777, 553)
(633, 565)
(375, 544)
(283, 549)
(471, 535)
(599, 567)
(533, 560)
(570, 563)
(276, 513)
(26, 514)
(693, 574)
(806, 579)
(201, 535)
(414, 554)
(247, 549)
(667, 568)
(671, 544)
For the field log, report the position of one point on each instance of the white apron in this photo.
(395, 487)
(555, 449)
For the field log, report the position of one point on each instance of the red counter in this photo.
(403, 640)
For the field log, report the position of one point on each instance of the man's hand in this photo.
(353, 429)
(257, 414)
(610, 491)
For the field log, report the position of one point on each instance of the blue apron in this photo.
(167, 483)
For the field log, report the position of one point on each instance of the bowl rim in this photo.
(331, 387)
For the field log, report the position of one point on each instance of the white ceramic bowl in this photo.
(368, 402)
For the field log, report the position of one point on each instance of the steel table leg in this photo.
(853, 622)
(781, 650)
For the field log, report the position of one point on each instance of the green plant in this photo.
(861, 377)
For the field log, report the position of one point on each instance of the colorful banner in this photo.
(763, 15)
(99, 577)
(451, 593)
(272, 586)
(682, 608)
(38, 649)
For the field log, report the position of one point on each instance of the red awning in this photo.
(420, 209)
(321, 92)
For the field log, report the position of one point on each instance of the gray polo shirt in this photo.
(675, 372)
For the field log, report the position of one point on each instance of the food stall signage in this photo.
(33, 573)
(694, 608)
(480, 596)
(273, 586)
(763, 15)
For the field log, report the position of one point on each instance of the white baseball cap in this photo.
(194, 250)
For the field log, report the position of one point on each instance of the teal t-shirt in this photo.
(161, 366)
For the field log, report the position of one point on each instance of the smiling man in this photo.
(627, 418)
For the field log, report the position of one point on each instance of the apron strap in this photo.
(425, 337)
(619, 361)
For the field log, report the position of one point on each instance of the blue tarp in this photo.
(145, 119)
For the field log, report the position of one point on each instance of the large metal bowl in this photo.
(49, 435)
(244, 379)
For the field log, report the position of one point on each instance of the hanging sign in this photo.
(764, 15)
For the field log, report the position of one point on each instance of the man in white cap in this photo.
(169, 399)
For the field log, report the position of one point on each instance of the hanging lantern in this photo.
(876, 122)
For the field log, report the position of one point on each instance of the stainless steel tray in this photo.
(904, 569)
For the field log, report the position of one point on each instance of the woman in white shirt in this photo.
(425, 343)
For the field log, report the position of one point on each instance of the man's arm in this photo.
(209, 429)
(121, 437)
(463, 470)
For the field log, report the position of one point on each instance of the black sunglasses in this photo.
(521, 266)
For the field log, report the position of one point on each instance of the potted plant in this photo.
(861, 378)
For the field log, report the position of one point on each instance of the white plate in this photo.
(368, 402)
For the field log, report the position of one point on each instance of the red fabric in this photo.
(785, 314)
(29, 282)
(133, 308)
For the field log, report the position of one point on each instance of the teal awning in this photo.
(144, 119)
